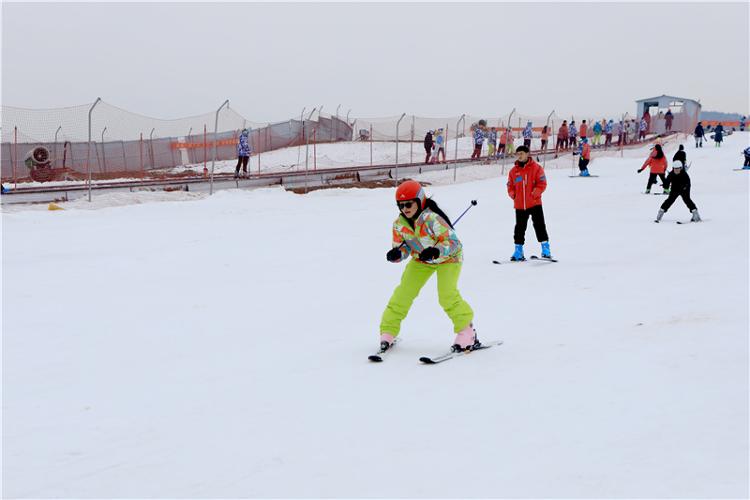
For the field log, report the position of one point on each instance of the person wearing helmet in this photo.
(243, 153)
(680, 155)
(746, 152)
(585, 158)
(526, 183)
(491, 143)
(424, 232)
(699, 134)
(479, 135)
(657, 162)
(679, 181)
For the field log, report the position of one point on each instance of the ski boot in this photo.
(659, 215)
(386, 342)
(696, 216)
(545, 250)
(648, 191)
(237, 174)
(746, 167)
(585, 173)
(666, 191)
(518, 254)
(466, 340)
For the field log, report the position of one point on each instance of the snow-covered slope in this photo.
(217, 347)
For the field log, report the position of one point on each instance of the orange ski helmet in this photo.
(411, 190)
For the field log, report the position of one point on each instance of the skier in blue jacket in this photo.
(243, 153)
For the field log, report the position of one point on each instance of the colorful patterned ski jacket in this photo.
(528, 133)
(572, 130)
(526, 185)
(608, 127)
(478, 136)
(430, 230)
(243, 147)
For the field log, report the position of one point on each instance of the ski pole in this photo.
(473, 203)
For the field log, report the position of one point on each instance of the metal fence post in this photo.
(411, 143)
(302, 132)
(371, 144)
(397, 140)
(213, 160)
(104, 156)
(124, 160)
(456, 148)
(88, 153)
(544, 162)
(151, 147)
(54, 153)
(15, 156)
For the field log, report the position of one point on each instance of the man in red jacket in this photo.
(526, 183)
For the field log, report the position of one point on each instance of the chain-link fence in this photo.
(123, 143)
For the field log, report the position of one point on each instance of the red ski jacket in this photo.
(586, 152)
(562, 131)
(658, 166)
(582, 130)
(526, 185)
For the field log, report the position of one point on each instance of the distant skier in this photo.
(562, 136)
(718, 135)
(699, 135)
(424, 232)
(478, 140)
(679, 181)
(584, 130)
(243, 153)
(510, 139)
(501, 146)
(742, 124)
(746, 165)
(608, 129)
(545, 138)
(492, 143)
(528, 133)
(526, 183)
(618, 130)
(572, 134)
(597, 134)
(680, 155)
(668, 120)
(658, 165)
(429, 144)
(585, 158)
(439, 146)
(642, 130)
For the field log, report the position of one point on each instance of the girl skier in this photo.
(679, 181)
(424, 232)
(243, 153)
(718, 134)
(658, 164)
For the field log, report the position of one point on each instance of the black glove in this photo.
(429, 254)
(394, 254)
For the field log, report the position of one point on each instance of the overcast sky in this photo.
(172, 60)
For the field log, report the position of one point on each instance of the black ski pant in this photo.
(522, 220)
(427, 154)
(583, 164)
(527, 143)
(652, 180)
(673, 197)
(747, 161)
(241, 162)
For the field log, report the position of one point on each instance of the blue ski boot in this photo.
(545, 250)
(518, 254)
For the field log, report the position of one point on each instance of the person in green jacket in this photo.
(424, 232)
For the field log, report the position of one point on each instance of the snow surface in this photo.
(216, 346)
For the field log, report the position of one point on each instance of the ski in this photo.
(583, 176)
(548, 259)
(741, 169)
(433, 360)
(381, 354)
(498, 262)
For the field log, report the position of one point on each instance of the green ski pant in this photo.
(415, 276)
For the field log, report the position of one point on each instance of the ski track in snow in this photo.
(217, 346)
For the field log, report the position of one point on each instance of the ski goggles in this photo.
(403, 205)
